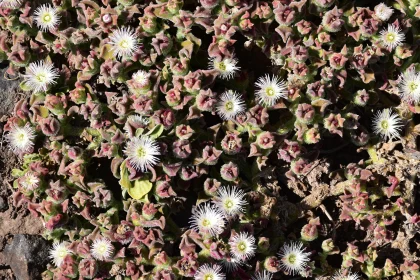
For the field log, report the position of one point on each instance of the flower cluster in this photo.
(176, 139)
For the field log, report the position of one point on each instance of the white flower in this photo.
(30, 181)
(10, 4)
(46, 17)
(207, 219)
(383, 12)
(142, 152)
(207, 272)
(242, 246)
(339, 275)
(392, 37)
(142, 78)
(58, 252)
(230, 105)
(230, 200)
(387, 124)
(40, 75)
(265, 275)
(409, 87)
(270, 90)
(226, 67)
(293, 258)
(21, 138)
(138, 120)
(124, 41)
(102, 249)
(231, 264)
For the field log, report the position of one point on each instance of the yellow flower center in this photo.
(208, 277)
(413, 86)
(242, 246)
(47, 18)
(206, 222)
(42, 78)
(141, 152)
(124, 44)
(229, 106)
(102, 249)
(291, 258)
(222, 66)
(390, 37)
(21, 137)
(384, 124)
(270, 91)
(228, 204)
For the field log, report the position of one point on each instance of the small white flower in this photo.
(230, 105)
(40, 75)
(231, 264)
(293, 258)
(10, 4)
(207, 219)
(124, 41)
(142, 152)
(58, 252)
(138, 120)
(383, 12)
(242, 246)
(265, 275)
(101, 249)
(21, 139)
(270, 90)
(29, 181)
(142, 78)
(226, 67)
(387, 124)
(339, 275)
(230, 200)
(392, 37)
(46, 17)
(409, 87)
(209, 272)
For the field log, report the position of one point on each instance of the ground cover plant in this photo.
(215, 139)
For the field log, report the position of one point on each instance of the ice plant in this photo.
(209, 272)
(383, 12)
(230, 200)
(30, 181)
(138, 120)
(58, 252)
(270, 90)
(207, 219)
(226, 67)
(124, 41)
(387, 124)
(102, 249)
(10, 4)
(142, 152)
(231, 264)
(21, 139)
(392, 37)
(242, 246)
(46, 17)
(264, 275)
(340, 275)
(293, 258)
(40, 75)
(409, 87)
(230, 105)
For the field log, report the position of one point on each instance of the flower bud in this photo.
(305, 113)
(265, 140)
(329, 247)
(229, 171)
(272, 264)
(332, 21)
(88, 268)
(184, 132)
(361, 98)
(312, 136)
(211, 186)
(309, 231)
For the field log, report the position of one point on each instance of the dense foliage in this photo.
(170, 139)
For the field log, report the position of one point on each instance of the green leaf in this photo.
(17, 173)
(139, 131)
(23, 86)
(44, 111)
(156, 131)
(124, 181)
(140, 189)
